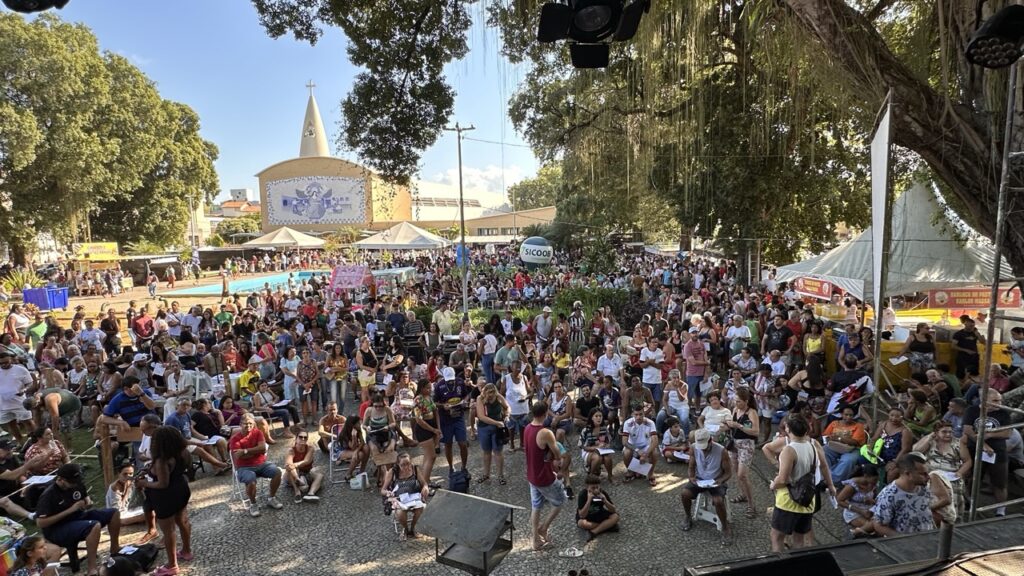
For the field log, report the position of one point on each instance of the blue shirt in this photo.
(129, 408)
(180, 421)
(444, 391)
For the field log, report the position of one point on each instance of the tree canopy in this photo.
(539, 191)
(87, 143)
(248, 224)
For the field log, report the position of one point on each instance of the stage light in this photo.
(29, 6)
(589, 26)
(998, 43)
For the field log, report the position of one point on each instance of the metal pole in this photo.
(1004, 182)
(945, 540)
(462, 224)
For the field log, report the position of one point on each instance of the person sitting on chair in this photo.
(196, 442)
(403, 479)
(65, 520)
(298, 465)
(249, 454)
(327, 426)
(351, 446)
(710, 469)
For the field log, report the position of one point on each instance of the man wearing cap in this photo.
(248, 381)
(140, 369)
(451, 397)
(542, 327)
(14, 380)
(709, 470)
(65, 518)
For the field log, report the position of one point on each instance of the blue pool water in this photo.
(251, 284)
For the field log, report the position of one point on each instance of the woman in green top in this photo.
(426, 429)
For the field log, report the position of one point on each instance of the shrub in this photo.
(17, 279)
(592, 299)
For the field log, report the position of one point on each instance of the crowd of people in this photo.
(709, 372)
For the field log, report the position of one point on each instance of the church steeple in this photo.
(314, 139)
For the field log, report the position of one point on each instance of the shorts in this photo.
(553, 494)
(997, 473)
(564, 425)
(693, 384)
(598, 517)
(713, 491)
(248, 475)
(366, 378)
(744, 451)
(421, 434)
(19, 414)
(454, 428)
(491, 437)
(788, 522)
(69, 533)
(518, 422)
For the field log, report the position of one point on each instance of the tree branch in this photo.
(879, 9)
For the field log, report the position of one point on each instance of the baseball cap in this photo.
(7, 444)
(255, 359)
(448, 373)
(701, 439)
(694, 329)
(547, 309)
(140, 358)
(71, 472)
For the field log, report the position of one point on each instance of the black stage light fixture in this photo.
(998, 43)
(29, 6)
(589, 55)
(589, 25)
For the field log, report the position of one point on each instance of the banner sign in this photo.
(316, 200)
(972, 298)
(813, 287)
(880, 149)
(95, 251)
(347, 277)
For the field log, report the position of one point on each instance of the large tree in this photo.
(81, 130)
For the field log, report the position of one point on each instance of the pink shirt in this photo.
(694, 350)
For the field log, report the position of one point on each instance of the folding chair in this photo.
(335, 465)
(238, 489)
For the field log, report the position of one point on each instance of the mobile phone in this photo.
(598, 499)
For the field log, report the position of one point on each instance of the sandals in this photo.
(738, 500)
(629, 477)
(502, 480)
(482, 479)
(751, 512)
(653, 482)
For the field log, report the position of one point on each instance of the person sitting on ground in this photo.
(44, 443)
(121, 496)
(401, 482)
(904, 506)
(32, 559)
(249, 451)
(196, 442)
(675, 442)
(857, 497)
(595, 511)
(710, 468)
(65, 519)
(303, 477)
(595, 439)
(351, 447)
(328, 423)
(640, 441)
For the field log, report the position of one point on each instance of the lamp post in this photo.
(462, 223)
(997, 44)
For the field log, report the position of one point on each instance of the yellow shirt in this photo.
(814, 345)
(246, 386)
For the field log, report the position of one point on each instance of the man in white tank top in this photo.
(710, 468)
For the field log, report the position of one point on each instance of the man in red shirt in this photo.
(142, 325)
(249, 451)
(542, 456)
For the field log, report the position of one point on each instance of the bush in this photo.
(423, 314)
(592, 299)
(17, 279)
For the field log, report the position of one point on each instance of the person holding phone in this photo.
(595, 511)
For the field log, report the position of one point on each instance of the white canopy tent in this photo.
(403, 236)
(924, 254)
(285, 238)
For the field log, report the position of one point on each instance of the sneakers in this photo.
(254, 509)
(274, 503)
(687, 523)
(311, 498)
(298, 499)
(568, 492)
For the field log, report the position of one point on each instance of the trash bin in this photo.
(36, 296)
(57, 298)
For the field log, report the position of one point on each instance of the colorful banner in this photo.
(813, 288)
(95, 251)
(348, 277)
(972, 298)
(316, 200)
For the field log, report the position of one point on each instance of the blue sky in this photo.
(249, 89)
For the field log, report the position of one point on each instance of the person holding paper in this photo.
(595, 511)
(298, 467)
(993, 462)
(197, 443)
(403, 490)
(710, 468)
(267, 404)
(843, 439)
(640, 442)
(595, 441)
(674, 444)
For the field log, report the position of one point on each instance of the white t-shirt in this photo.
(610, 366)
(515, 395)
(174, 321)
(1017, 353)
(716, 417)
(12, 382)
(490, 344)
(737, 332)
(639, 433)
(652, 374)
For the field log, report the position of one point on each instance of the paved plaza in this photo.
(347, 532)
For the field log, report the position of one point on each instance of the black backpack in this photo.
(458, 481)
(144, 555)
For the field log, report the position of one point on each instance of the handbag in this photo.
(804, 490)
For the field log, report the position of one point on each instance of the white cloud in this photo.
(138, 60)
(489, 178)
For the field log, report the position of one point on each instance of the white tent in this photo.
(924, 254)
(402, 236)
(286, 238)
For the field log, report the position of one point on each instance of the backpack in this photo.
(144, 555)
(804, 489)
(458, 481)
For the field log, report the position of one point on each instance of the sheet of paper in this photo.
(896, 361)
(605, 451)
(951, 476)
(39, 479)
(988, 457)
(211, 441)
(410, 497)
(128, 550)
(680, 455)
(281, 404)
(638, 468)
(706, 483)
(158, 369)
(712, 427)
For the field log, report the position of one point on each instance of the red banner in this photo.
(813, 287)
(972, 298)
(345, 277)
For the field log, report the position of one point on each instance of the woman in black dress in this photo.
(167, 494)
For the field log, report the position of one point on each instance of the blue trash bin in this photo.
(57, 298)
(36, 296)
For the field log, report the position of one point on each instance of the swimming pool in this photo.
(250, 284)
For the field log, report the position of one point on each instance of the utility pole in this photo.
(462, 223)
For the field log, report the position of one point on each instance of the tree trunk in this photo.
(952, 138)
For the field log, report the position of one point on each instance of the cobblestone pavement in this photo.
(347, 533)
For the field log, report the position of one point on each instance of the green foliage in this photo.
(18, 278)
(592, 298)
(539, 191)
(215, 240)
(342, 237)
(143, 247)
(248, 224)
(423, 314)
(400, 103)
(82, 132)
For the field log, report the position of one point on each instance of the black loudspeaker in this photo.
(818, 564)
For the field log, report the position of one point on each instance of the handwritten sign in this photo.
(813, 287)
(972, 298)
